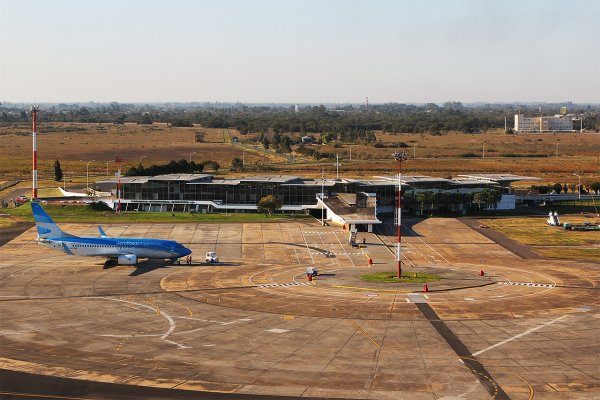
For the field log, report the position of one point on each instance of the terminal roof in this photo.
(500, 178)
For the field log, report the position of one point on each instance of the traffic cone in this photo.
(481, 273)
(425, 289)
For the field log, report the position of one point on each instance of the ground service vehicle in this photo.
(211, 257)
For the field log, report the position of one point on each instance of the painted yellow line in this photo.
(181, 305)
(372, 289)
(155, 307)
(510, 372)
(365, 333)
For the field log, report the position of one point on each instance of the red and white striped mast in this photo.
(34, 190)
(118, 160)
(399, 157)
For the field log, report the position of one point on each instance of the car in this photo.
(313, 271)
(211, 257)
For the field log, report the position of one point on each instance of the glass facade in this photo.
(236, 192)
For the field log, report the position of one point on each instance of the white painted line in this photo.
(245, 319)
(209, 345)
(278, 330)
(527, 332)
(416, 298)
(469, 299)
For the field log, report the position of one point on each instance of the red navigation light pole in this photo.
(399, 157)
(34, 187)
(118, 160)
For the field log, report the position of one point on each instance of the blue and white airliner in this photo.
(125, 251)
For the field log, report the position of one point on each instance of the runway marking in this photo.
(527, 332)
(416, 298)
(277, 330)
(169, 319)
(270, 285)
(528, 284)
(365, 333)
(337, 254)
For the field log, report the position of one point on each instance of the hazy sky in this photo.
(300, 51)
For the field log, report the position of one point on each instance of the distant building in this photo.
(556, 123)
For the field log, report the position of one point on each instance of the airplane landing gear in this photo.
(110, 262)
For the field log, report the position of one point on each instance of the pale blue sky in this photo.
(300, 51)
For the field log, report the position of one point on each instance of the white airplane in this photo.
(125, 251)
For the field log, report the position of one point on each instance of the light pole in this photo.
(556, 149)
(107, 169)
(415, 150)
(483, 154)
(243, 157)
(322, 197)
(191, 155)
(578, 186)
(399, 157)
(351, 146)
(65, 181)
(141, 159)
(87, 176)
(337, 166)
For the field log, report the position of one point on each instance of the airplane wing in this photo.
(102, 234)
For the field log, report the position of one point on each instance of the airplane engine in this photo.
(127, 259)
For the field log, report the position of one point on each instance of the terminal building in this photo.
(358, 202)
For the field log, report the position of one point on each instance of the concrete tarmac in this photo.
(254, 325)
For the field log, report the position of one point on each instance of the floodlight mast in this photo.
(399, 157)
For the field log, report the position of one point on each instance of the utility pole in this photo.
(191, 155)
(322, 197)
(352, 145)
(399, 157)
(483, 154)
(141, 159)
(414, 150)
(337, 166)
(578, 186)
(87, 177)
(556, 149)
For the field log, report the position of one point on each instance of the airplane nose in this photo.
(186, 252)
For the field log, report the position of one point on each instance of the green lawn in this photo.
(85, 213)
(536, 233)
(6, 222)
(390, 277)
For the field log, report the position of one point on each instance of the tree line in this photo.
(347, 123)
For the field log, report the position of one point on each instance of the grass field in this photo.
(550, 241)
(438, 155)
(390, 277)
(84, 213)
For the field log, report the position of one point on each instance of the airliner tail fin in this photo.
(45, 226)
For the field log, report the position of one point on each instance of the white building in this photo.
(556, 123)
